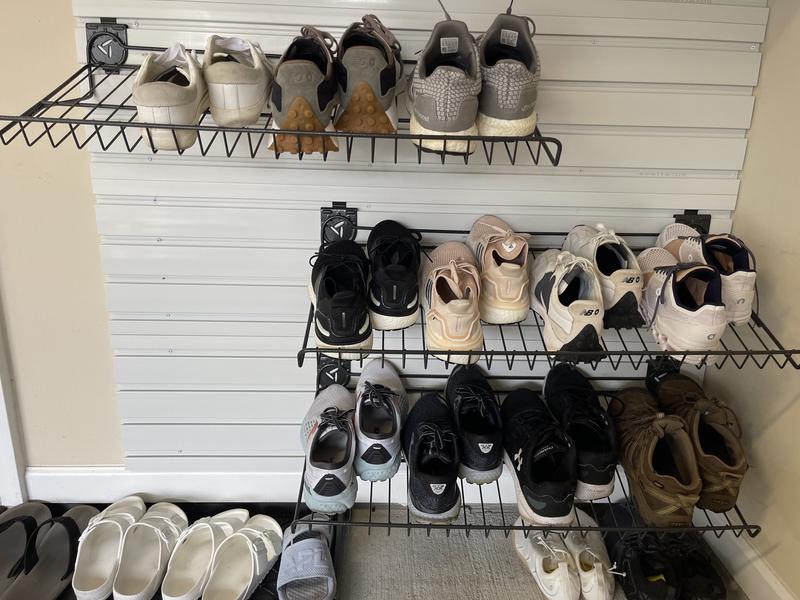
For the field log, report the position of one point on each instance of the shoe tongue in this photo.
(681, 275)
(549, 449)
(436, 455)
(344, 298)
(395, 270)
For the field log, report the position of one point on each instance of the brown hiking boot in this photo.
(658, 458)
(716, 437)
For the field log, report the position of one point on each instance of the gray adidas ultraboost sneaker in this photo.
(510, 69)
(443, 89)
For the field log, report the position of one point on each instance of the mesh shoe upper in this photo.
(381, 409)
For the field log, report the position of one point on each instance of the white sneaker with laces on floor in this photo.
(550, 563)
(591, 558)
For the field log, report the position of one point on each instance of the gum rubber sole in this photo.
(364, 113)
(301, 117)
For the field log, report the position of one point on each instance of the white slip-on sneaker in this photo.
(146, 549)
(381, 410)
(591, 558)
(682, 304)
(502, 256)
(190, 563)
(306, 571)
(549, 562)
(170, 89)
(617, 271)
(100, 547)
(727, 254)
(329, 441)
(565, 293)
(238, 76)
(243, 560)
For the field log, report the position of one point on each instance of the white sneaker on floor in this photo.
(381, 410)
(146, 549)
(550, 563)
(617, 271)
(243, 560)
(170, 89)
(591, 558)
(100, 547)
(726, 253)
(682, 303)
(565, 293)
(190, 563)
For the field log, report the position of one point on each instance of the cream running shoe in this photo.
(503, 259)
(550, 563)
(682, 303)
(452, 316)
(726, 253)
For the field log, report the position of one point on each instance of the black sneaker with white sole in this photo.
(540, 458)
(479, 426)
(431, 451)
(338, 290)
(574, 403)
(394, 254)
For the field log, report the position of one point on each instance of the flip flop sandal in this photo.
(49, 561)
(16, 526)
(307, 571)
(100, 547)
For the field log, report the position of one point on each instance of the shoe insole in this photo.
(609, 259)
(714, 443)
(98, 557)
(475, 422)
(495, 52)
(519, 259)
(377, 421)
(571, 293)
(306, 589)
(189, 563)
(589, 438)
(174, 76)
(665, 460)
(232, 571)
(12, 547)
(330, 449)
(139, 562)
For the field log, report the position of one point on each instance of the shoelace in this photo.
(323, 37)
(536, 428)
(583, 412)
(568, 260)
(446, 14)
(476, 397)
(373, 24)
(705, 405)
(386, 243)
(669, 271)
(557, 553)
(334, 417)
(435, 438)
(508, 237)
(452, 271)
(377, 395)
(340, 259)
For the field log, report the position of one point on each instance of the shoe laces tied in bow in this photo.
(336, 418)
(455, 271)
(377, 395)
(434, 438)
(475, 397)
(509, 238)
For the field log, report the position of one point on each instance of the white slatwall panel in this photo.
(205, 259)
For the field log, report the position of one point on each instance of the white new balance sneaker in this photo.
(726, 253)
(550, 563)
(617, 271)
(170, 89)
(682, 303)
(381, 410)
(565, 293)
(591, 557)
(238, 76)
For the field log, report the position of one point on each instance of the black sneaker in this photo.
(339, 293)
(541, 459)
(693, 562)
(574, 403)
(431, 450)
(645, 571)
(479, 426)
(394, 289)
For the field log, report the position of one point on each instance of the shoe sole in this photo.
(454, 145)
(586, 492)
(365, 344)
(331, 505)
(525, 510)
(239, 116)
(389, 323)
(492, 126)
(422, 517)
(624, 314)
(300, 116)
(365, 114)
(480, 477)
(165, 139)
(370, 472)
(496, 315)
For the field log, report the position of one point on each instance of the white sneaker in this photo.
(726, 253)
(591, 558)
(238, 76)
(146, 549)
(329, 441)
(565, 293)
(682, 303)
(190, 563)
(243, 560)
(549, 562)
(503, 259)
(617, 271)
(100, 547)
(381, 410)
(170, 89)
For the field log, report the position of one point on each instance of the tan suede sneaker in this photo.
(658, 458)
(716, 437)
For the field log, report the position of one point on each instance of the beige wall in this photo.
(768, 219)
(50, 278)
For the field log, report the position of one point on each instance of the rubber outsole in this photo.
(163, 139)
(370, 472)
(525, 510)
(364, 113)
(420, 516)
(587, 343)
(390, 323)
(237, 117)
(624, 314)
(331, 505)
(300, 116)
(502, 316)
(480, 477)
(592, 491)
(492, 126)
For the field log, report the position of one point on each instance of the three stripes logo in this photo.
(479, 250)
(428, 291)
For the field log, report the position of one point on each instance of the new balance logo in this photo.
(636, 279)
(438, 488)
(591, 312)
(518, 459)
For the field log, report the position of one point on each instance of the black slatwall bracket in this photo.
(107, 44)
(332, 370)
(693, 218)
(338, 222)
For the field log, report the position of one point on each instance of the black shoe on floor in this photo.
(693, 562)
(339, 293)
(541, 459)
(574, 403)
(394, 254)
(431, 450)
(478, 424)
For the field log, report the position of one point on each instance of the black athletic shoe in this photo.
(394, 289)
(574, 404)
(649, 573)
(339, 293)
(431, 450)
(478, 424)
(541, 459)
(693, 562)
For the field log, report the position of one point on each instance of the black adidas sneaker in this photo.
(339, 292)
(574, 403)
(541, 459)
(479, 426)
(394, 254)
(431, 450)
